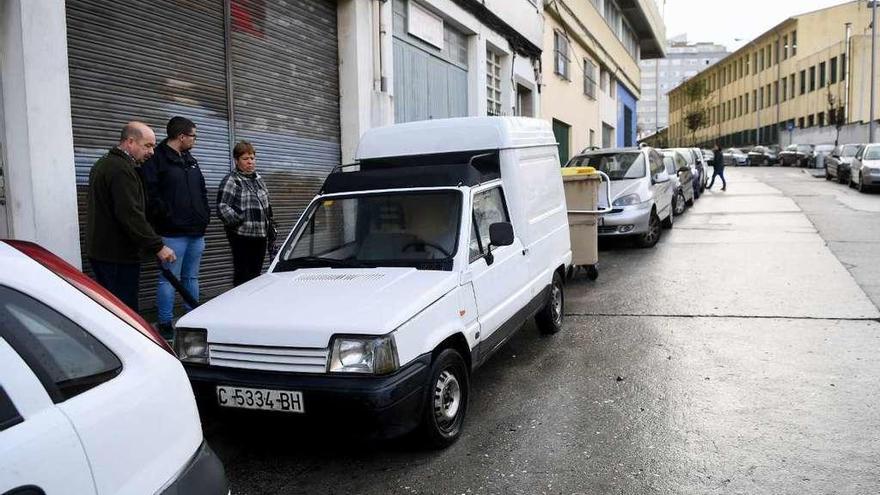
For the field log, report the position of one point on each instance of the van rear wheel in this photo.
(446, 400)
(549, 318)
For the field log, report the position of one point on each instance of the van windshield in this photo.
(618, 166)
(416, 228)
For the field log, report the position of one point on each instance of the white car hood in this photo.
(305, 307)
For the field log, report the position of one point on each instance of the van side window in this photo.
(489, 208)
(65, 358)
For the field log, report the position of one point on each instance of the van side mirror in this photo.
(501, 234)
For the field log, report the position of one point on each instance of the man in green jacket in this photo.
(117, 231)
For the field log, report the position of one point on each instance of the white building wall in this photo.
(365, 58)
(37, 138)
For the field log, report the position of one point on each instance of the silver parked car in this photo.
(682, 180)
(837, 165)
(865, 168)
(641, 192)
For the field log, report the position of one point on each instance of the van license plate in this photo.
(260, 398)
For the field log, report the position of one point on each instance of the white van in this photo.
(403, 275)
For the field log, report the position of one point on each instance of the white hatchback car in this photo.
(92, 400)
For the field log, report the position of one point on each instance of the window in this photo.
(747, 103)
(803, 81)
(821, 119)
(755, 100)
(739, 106)
(761, 98)
(603, 80)
(761, 60)
(612, 15)
(822, 74)
(813, 78)
(560, 43)
(775, 92)
(776, 51)
(592, 138)
(791, 82)
(832, 70)
(801, 122)
(784, 88)
(493, 83)
(793, 43)
(785, 47)
(811, 120)
(489, 208)
(455, 44)
(843, 67)
(66, 359)
(589, 79)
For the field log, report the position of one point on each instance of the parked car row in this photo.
(649, 188)
(857, 165)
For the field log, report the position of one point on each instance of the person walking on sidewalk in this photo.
(177, 202)
(717, 167)
(243, 207)
(117, 231)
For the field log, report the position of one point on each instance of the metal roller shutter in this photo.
(150, 61)
(286, 95)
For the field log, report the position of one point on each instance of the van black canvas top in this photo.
(447, 169)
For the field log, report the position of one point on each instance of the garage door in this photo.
(153, 60)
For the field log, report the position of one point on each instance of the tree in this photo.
(696, 111)
(836, 115)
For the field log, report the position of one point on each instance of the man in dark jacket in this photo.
(117, 231)
(178, 208)
(717, 167)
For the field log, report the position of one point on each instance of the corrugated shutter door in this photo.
(150, 61)
(286, 94)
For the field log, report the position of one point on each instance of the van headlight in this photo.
(375, 355)
(628, 200)
(191, 345)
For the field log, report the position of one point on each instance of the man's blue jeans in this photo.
(189, 251)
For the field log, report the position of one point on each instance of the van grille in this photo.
(290, 359)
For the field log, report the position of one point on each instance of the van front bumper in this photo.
(624, 222)
(381, 406)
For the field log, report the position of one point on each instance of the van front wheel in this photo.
(549, 318)
(446, 399)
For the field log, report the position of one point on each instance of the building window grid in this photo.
(561, 60)
(832, 70)
(589, 79)
(803, 79)
(822, 74)
(493, 83)
(812, 78)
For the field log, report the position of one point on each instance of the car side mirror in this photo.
(660, 178)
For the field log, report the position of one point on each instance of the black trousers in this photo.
(718, 172)
(121, 279)
(248, 254)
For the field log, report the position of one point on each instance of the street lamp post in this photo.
(871, 125)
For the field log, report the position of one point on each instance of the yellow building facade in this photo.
(781, 81)
(589, 69)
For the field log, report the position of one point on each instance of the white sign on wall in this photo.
(425, 25)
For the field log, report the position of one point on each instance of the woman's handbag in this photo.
(271, 238)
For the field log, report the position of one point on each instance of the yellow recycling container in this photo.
(582, 200)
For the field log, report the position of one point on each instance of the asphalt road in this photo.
(737, 356)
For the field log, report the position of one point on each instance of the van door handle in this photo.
(525, 251)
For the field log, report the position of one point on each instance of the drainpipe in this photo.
(848, 62)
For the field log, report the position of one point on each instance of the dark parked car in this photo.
(797, 155)
(837, 165)
(764, 155)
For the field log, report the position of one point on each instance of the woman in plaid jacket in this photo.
(243, 207)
